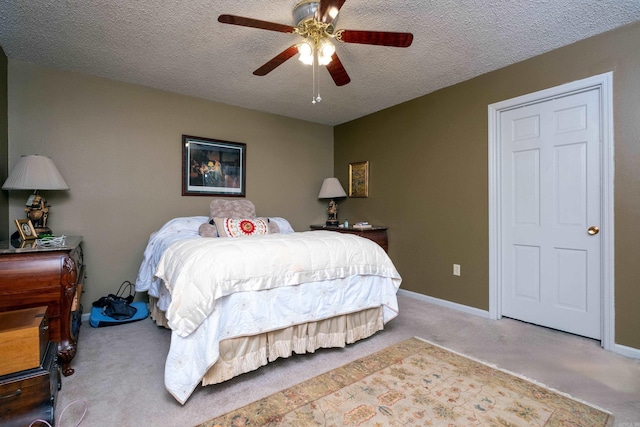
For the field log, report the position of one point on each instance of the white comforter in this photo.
(361, 284)
(172, 231)
(198, 271)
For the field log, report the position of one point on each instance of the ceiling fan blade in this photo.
(337, 71)
(254, 23)
(276, 61)
(380, 38)
(328, 10)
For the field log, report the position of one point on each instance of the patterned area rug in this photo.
(415, 383)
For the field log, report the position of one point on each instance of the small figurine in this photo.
(38, 212)
(333, 213)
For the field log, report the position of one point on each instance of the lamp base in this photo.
(332, 223)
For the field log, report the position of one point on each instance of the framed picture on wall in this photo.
(359, 179)
(26, 230)
(212, 167)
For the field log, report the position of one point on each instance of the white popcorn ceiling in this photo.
(179, 46)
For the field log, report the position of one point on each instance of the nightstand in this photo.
(376, 233)
(46, 276)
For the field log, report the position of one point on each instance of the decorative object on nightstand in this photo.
(36, 173)
(376, 233)
(332, 189)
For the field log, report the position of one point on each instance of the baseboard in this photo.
(444, 303)
(622, 350)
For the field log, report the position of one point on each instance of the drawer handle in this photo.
(17, 393)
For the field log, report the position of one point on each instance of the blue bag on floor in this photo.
(116, 309)
(97, 319)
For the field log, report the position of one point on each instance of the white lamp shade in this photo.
(35, 173)
(331, 188)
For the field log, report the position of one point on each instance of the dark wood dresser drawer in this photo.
(29, 395)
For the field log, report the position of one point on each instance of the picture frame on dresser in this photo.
(26, 229)
(212, 167)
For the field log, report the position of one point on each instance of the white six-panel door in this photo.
(550, 191)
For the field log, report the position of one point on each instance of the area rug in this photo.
(416, 383)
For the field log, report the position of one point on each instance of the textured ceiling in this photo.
(179, 46)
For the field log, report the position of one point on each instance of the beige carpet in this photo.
(120, 369)
(415, 383)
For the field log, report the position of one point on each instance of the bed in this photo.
(234, 304)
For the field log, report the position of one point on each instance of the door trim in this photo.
(604, 84)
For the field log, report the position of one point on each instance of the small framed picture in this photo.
(26, 230)
(359, 179)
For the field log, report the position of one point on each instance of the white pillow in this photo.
(283, 224)
(229, 227)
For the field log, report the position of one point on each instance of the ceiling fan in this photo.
(315, 21)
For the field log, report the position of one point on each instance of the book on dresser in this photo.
(362, 225)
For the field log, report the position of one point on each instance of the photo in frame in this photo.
(26, 230)
(212, 167)
(359, 179)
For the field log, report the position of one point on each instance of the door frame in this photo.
(604, 84)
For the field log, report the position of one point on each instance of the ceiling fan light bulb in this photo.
(328, 49)
(306, 59)
(306, 52)
(305, 49)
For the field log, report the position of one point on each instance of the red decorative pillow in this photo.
(229, 227)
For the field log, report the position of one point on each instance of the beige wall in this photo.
(119, 148)
(429, 176)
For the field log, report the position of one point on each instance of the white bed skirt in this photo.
(245, 354)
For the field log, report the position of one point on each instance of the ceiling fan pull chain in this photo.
(313, 82)
(318, 99)
(315, 74)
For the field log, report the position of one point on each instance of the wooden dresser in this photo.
(376, 233)
(46, 276)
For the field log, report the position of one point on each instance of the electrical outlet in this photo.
(456, 269)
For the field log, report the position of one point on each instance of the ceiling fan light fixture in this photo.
(326, 49)
(306, 52)
(315, 22)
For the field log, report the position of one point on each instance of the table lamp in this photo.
(36, 173)
(331, 189)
